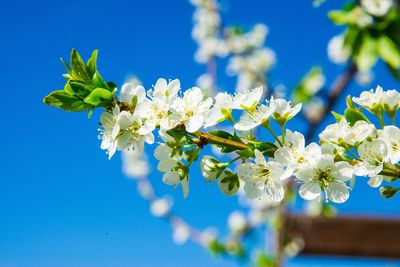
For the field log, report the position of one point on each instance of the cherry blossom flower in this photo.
(325, 176)
(263, 177)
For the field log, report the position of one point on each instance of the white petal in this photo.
(260, 159)
(337, 192)
(375, 181)
(125, 119)
(194, 123)
(274, 190)
(166, 165)
(107, 119)
(310, 190)
(246, 123)
(171, 178)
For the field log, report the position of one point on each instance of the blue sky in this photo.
(63, 203)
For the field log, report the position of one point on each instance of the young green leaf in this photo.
(79, 71)
(61, 99)
(92, 63)
(366, 55)
(99, 97)
(389, 51)
(354, 115)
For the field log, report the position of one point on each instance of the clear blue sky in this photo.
(62, 202)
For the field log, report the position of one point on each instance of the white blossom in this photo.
(237, 221)
(160, 207)
(391, 135)
(221, 110)
(181, 233)
(364, 77)
(371, 100)
(209, 168)
(156, 111)
(192, 109)
(109, 130)
(135, 164)
(130, 136)
(263, 177)
(170, 164)
(283, 110)
(390, 100)
(338, 53)
(377, 8)
(343, 133)
(325, 176)
(294, 154)
(373, 155)
(314, 109)
(132, 94)
(249, 99)
(254, 118)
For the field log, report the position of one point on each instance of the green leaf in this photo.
(79, 71)
(366, 54)
(354, 115)
(92, 63)
(388, 191)
(99, 82)
(264, 260)
(340, 17)
(99, 97)
(112, 86)
(66, 65)
(388, 51)
(61, 99)
(78, 88)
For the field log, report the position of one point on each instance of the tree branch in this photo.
(212, 139)
(335, 92)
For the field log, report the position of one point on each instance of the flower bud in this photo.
(211, 168)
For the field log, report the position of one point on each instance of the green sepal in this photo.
(338, 117)
(229, 183)
(354, 115)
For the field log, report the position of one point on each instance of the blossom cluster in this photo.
(249, 58)
(207, 31)
(347, 148)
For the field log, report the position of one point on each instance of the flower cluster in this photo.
(250, 59)
(352, 146)
(206, 31)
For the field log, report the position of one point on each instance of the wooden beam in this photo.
(347, 235)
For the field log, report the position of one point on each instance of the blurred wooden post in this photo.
(347, 235)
